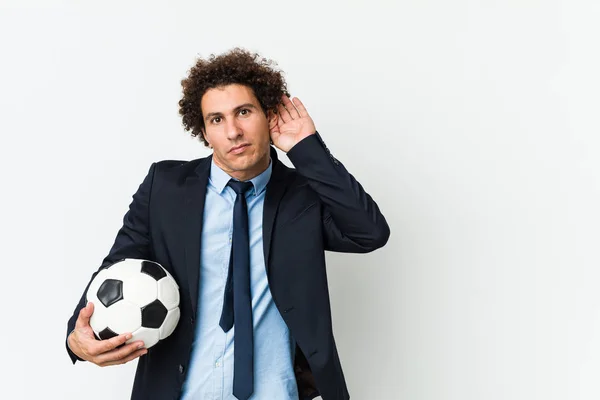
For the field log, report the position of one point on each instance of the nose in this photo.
(233, 130)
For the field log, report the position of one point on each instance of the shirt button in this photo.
(218, 364)
(180, 369)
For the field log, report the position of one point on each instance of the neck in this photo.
(247, 174)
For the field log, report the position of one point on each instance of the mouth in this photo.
(238, 149)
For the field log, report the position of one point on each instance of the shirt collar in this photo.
(219, 178)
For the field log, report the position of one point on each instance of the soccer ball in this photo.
(136, 296)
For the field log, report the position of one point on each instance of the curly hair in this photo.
(237, 66)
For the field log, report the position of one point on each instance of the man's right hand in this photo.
(101, 352)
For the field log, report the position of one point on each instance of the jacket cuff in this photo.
(308, 148)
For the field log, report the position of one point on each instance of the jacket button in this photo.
(180, 369)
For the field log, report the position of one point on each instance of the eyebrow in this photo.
(219, 114)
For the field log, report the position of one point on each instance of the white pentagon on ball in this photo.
(137, 296)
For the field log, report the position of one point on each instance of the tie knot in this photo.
(239, 187)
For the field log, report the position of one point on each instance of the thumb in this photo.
(84, 315)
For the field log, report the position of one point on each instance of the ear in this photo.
(203, 133)
(272, 117)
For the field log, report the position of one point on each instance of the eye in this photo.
(215, 120)
(244, 111)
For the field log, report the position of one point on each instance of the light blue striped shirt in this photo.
(210, 375)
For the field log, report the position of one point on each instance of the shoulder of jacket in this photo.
(177, 165)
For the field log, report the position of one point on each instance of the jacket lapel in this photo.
(275, 190)
(193, 213)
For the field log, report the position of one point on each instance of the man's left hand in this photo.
(293, 124)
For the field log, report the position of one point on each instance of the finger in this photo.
(300, 107)
(120, 353)
(84, 316)
(284, 115)
(280, 125)
(130, 357)
(96, 347)
(290, 107)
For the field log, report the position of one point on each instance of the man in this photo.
(244, 236)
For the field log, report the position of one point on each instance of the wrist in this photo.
(300, 140)
(71, 347)
(69, 338)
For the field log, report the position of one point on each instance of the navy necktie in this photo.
(237, 302)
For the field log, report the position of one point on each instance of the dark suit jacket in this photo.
(316, 207)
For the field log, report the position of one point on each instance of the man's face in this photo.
(237, 129)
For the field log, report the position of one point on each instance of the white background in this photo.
(474, 125)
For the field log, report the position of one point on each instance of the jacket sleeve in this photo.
(352, 221)
(132, 241)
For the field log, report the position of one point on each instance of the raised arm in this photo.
(352, 220)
